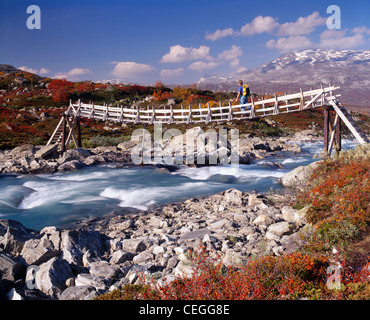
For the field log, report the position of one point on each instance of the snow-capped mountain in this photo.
(349, 69)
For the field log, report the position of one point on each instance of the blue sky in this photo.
(173, 41)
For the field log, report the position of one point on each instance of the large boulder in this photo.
(104, 269)
(51, 277)
(76, 154)
(72, 165)
(78, 293)
(10, 269)
(38, 251)
(25, 150)
(233, 197)
(133, 245)
(281, 228)
(75, 243)
(46, 151)
(13, 236)
(298, 178)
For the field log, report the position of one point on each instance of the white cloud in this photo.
(361, 30)
(218, 34)
(78, 72)
(128, 69)
(72, 74)
(169, 73)
(303, 25)
(201, 65)
(338, 39)
(259, 25)
(234, 63)
(230, 54)
(41, 71)
(179, 53)
(290, 43)
(44, 71)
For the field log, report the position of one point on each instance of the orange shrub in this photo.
(339, 196)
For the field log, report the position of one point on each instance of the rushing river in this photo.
(62, 198)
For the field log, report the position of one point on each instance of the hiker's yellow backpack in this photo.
(246, 91)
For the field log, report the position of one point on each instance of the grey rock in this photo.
(195, 234)
(121, 256)
(281, 228)
(52, 275)
(75, 243)
(76, 154)
(26, 150)
(298, 177)
(77, 293)
(104, 269)
(233, 196)
(221, 224)
(70, 166)
(263, 220)
(38, 251)
(143, 257)
(10, 269)
(86, 279)
(183, 270)
(172, 262)
(232, 258)
(13, 235)
(133, 245)
(45, 151)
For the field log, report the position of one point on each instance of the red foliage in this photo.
(266, 277)
(60, 89)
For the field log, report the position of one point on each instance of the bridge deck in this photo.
(190, 114)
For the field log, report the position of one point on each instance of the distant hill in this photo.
(304, 69)
(12, 77)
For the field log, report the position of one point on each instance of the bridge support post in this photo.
(326, 129)
(332, 135)
(64, 133)
(338, 137)
(78, 124)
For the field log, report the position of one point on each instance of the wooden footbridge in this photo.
(303, 100)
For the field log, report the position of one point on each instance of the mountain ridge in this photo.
(348, 69)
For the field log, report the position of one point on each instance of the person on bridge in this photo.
(243, 94)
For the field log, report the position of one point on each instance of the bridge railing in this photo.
(192, 114)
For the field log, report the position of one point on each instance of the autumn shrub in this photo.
(293, 276)
(267, 277)
(339, 196)
(60, 89)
